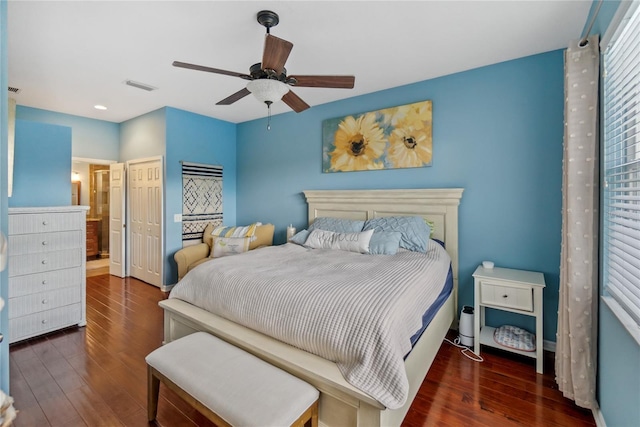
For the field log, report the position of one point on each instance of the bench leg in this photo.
(309, 418)
(314, 415)
(153, 390)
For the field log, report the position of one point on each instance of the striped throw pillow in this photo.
(246, 231)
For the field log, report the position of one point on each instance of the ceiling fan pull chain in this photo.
(268, 114)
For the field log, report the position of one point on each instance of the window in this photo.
(621, 190)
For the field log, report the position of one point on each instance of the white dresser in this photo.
(47, 262)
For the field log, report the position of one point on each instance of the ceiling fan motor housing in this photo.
(257, 72)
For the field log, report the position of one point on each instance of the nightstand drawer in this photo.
(506, 296)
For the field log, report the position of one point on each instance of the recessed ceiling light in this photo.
(99, 107)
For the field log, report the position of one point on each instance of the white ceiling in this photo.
(67, 56)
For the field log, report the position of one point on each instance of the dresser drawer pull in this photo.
(44, 282)
(45, 222)
(44, 261)
(505, 296)
(44, 301)
(44, 321)
(44, 243)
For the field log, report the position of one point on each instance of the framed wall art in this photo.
(391, 138)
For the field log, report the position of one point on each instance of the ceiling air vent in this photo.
(139, 85)
(14, 89)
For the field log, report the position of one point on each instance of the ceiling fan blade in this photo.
(233, 98)
(295, 102)
(340, 82)
(209, 69)
(276, 52)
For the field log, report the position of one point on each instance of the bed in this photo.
(341, 403)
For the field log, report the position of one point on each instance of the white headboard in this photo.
(437, 205)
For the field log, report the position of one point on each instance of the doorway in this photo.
(91, 184)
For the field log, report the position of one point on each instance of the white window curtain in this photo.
(576, 344)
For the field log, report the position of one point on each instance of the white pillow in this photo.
(223, 246)
(352, 242)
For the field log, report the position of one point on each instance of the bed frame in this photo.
(341, 404)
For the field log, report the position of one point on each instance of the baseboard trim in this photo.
(598, 417)
(549, 345)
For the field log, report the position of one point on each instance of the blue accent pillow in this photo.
(385, 243)
(415, 232)
(300, 237)
(337, 225)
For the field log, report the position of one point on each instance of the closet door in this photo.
(145, 219)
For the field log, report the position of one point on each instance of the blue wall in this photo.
(199, 139)
(4, 289)
(42, 165)
(497, 133)
(92, 139)
(618, 372)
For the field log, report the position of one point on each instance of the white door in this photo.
(145, 220)
(117, 224)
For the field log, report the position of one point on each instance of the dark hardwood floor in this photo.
(96, 375)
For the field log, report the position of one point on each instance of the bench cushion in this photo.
(239, 387)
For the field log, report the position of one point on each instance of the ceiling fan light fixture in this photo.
(267, 90)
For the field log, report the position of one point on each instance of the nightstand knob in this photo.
(44, 261)
(44, 301)
(45, 222)
(44, 243)
(44, 321)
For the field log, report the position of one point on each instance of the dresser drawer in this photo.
(34, 303)
(44, 222)
(503, 295)
(37, 263)
(44, 242)
(47, 281)
(45, 321)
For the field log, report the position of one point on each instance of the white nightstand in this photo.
(511, 290)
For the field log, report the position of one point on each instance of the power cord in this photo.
(465, 350)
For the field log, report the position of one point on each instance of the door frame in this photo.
(128, 163)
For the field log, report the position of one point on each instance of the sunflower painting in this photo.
(397, 137)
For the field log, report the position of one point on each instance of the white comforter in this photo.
(359, 311)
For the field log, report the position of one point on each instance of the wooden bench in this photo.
(228, 385)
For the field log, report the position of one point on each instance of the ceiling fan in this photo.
(268, 80)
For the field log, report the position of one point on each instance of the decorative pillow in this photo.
(337, 225)
(514, 337)
(432, 227)
(352, 242)
(246, 231)
(300, 237)
(415, 232)
(385, 243)
(223, 246)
